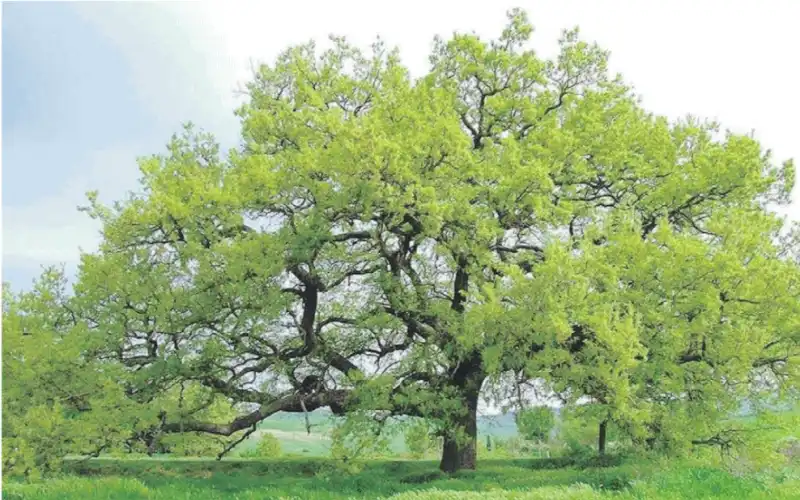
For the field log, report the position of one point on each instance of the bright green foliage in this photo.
(268, 446)
(536, 423)
(60, 398)
(579, 427)
(190, 400)
(193, 444)
(55, 400)
(418, 439)
(360, 436)
(756, 442)
(387, 246)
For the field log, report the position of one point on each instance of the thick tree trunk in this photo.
(601, 438)
(461, 444)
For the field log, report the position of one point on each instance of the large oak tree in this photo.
(395, 245)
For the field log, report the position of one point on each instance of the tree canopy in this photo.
(387, 245)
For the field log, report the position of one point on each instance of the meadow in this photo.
(323, 479)
(305, 471)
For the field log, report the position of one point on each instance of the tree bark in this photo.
(601, 438)
(460, 444)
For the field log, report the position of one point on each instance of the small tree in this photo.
(418, 439)
(268, 446)
(581, 428)
(536, 423)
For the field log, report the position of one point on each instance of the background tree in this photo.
(418, 440)
(535, 423)
(267, 446)
(388, 246)
(579, 429)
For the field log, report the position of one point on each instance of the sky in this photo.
(88, 87)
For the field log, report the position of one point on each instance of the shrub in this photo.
(418, 439)
(535, 424)
(268, 446)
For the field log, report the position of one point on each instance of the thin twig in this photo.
(234, 444)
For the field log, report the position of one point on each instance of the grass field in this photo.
(399, 480)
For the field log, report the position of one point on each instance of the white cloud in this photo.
(167, 52)
(51, 230)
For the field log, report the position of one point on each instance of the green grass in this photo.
(399, 480)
